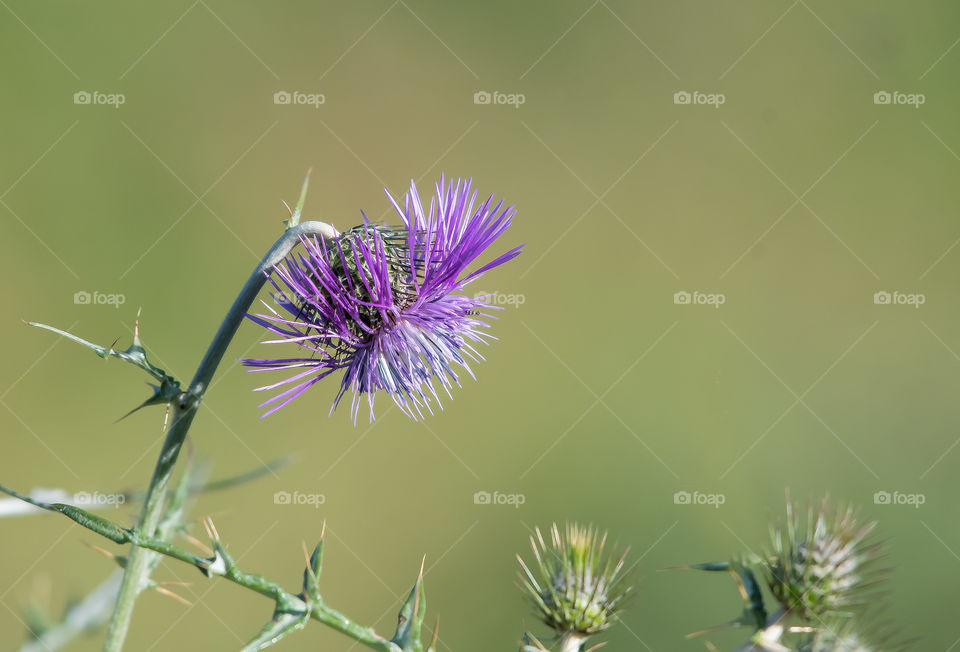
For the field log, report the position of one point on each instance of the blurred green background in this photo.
(796, 199)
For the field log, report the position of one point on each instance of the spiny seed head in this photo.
(823, 569)
(839, 634)
(827, 641)
(868, 632)
(574, 585)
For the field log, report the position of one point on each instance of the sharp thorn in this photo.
(436, 635)
(171, 594)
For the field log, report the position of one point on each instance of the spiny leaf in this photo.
(135, 354)
(436, 636)
(754, 614)
(710, 566)
(410, 618)
(90, 521)
(242, 478)
(296, 212)
(281, 625)
(311, 574)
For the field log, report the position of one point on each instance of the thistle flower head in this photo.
(385, 303)
(870, 634)
(827, 640)
(574, 585)
(824, 569)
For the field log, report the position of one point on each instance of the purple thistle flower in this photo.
(383, 303)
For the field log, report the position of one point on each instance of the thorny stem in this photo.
(184, 409)
(289, 602)
(223, 565)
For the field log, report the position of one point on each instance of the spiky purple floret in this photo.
(385, 304)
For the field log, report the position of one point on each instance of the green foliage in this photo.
(816, 575)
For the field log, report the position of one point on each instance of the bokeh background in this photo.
(793, 201)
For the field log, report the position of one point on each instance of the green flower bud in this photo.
(574, 586)
(825, 569)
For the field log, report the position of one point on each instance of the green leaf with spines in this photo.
(298, 211)
(754, 612)
(410, 618)
(311, 574)
(164, 393)
(280, 626)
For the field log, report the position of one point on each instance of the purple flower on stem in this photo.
(384, 303)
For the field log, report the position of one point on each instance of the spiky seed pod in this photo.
(824, 569)
(575, 587)
(869, 631)
(844, 635)
(827, 641)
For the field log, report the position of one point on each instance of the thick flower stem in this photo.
(572, 642)
(184, 409)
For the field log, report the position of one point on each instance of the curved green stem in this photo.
(184, 408)
(306, 604)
